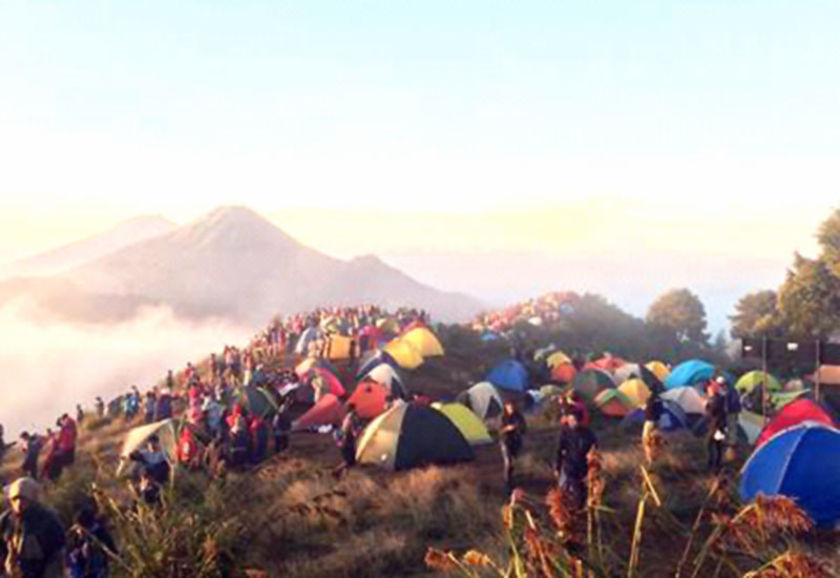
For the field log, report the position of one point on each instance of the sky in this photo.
(624, 147)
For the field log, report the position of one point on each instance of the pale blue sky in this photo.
(110, 109)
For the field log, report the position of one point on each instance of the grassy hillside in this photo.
(290, 517)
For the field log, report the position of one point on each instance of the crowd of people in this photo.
(236, 411)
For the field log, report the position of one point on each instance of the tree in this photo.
(681, 312)
(828, 237)
(755, 314)
(809, 299)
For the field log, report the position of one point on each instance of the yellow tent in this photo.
(424, 341)
(338, 347)
(557, 358)
(659, 369)
(636, 391)
(404, 353)
(467, 422)
(137, 438)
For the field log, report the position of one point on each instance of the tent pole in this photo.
(818, 372)
(764, 379)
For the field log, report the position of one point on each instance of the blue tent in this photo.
(673, 417)
(801, 463)
(510, 375)
(692, 372)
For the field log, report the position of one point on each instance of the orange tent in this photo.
(369, 399)
(563, 373)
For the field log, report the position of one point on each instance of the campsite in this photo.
(427, 494)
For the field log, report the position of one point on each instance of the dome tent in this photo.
(510, 375)
(470, 426)
(483, 399)
(793, 414)
(411, 435)
(801, 463)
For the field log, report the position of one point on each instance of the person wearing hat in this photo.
(571, 466)
(32, 536)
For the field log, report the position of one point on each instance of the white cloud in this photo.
(50, 365)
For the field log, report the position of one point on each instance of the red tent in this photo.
(369, 399)
(793, 414)
(608, 363)
(332, 381)
(328, 411)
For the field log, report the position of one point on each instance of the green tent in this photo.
(590, 382)
(749, 381)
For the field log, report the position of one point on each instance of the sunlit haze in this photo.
(496, 149)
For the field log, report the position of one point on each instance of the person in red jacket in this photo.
(189, 454)
(67, 440)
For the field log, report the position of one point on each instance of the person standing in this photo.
(347, 440)
(281, 425)
(511, 436)
(571, 466)
(653, 413)
(31, 444)
(716, 413)
(32, 536)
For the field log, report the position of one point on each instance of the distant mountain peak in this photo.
(233, 224)
(369, 259)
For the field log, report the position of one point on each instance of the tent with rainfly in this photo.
(390, 378)
(793, 414)
(688, 398)
(613, 403)
(410, 435)
(372, 359)
(369, 399)
(801, 463)
(673, 418)
(659, 369)
(563, 373)
(483, 399)
(470, 426)
(590, 382)
(636, 391)
(404, 353)
(558, 358)
(328, 411)
(424, 341)
(692, 372)
(753, 379)
(510, 375)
